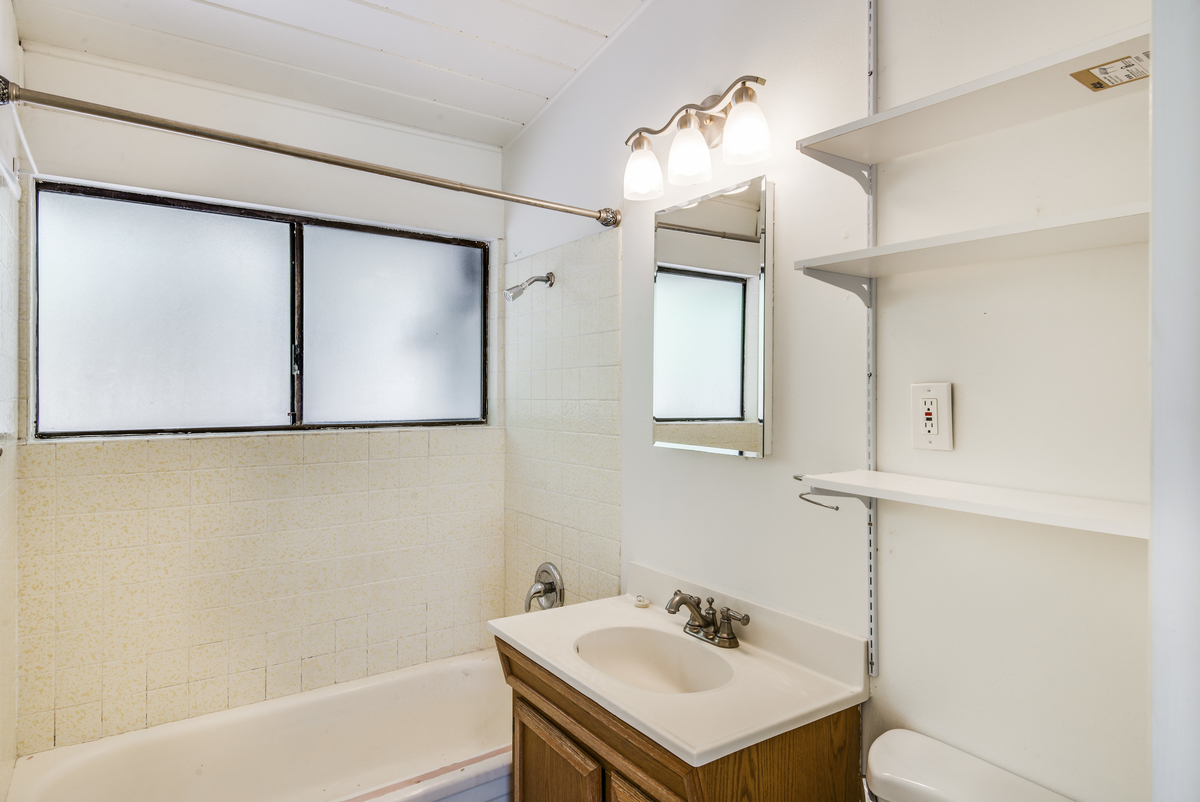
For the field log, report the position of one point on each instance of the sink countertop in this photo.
(768, 694)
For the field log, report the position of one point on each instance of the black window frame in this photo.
(696, 272)
(297, 225)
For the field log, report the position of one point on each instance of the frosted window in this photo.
(698, 342)
(154, 318)
(393, 328)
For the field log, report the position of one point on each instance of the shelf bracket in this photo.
(820, 491)
(856, 284)
(864, 174)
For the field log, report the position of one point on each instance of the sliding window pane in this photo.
(393, 328)
(698, 346)
(157, 318)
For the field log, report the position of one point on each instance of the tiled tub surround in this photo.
(562, 390)
(170, 577)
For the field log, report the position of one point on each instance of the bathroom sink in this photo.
(654, 660)
(631, 656)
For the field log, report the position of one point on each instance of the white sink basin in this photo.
(654, 660)
(700, 702)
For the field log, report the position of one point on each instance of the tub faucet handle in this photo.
(548, 588)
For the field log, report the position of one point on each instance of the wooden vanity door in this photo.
(621, 790)
(547, 765)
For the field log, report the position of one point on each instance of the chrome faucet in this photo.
(704, 624)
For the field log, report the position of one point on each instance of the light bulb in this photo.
(643, 175)
(747, 137)
(689, 161)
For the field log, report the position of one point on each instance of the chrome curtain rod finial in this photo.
(513, 293)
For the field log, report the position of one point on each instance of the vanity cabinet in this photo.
(567, 748)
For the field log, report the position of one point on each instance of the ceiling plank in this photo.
(602, 17)
(475, 69)
(512, 26)
(208, 62)
(212, 25)
(411, 39)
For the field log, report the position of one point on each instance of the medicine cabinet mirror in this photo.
(712, 322)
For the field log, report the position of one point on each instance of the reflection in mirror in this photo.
(712, 322)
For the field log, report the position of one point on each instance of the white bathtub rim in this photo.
(31, 771)
(448, 784)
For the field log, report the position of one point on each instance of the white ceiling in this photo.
(476, 69)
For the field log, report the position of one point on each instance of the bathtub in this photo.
(436, 731)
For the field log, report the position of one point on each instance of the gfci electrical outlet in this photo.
(933, 416)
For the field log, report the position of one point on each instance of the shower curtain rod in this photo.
(12, 93)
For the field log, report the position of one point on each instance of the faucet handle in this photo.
(727, 614)
(725, 637)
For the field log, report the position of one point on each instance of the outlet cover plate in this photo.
(933, 416)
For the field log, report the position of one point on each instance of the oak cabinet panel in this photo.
(547, 766)
(620, 790)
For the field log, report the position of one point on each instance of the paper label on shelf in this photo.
(1122, 71)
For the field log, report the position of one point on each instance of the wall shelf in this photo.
(1094, 515)
(1019, 95)
(1101, 228)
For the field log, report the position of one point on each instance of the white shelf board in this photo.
(1079, 231)
(1094, 515)
(1019, 95)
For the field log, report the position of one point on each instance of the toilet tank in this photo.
(905, 766)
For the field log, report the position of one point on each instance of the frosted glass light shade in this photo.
(689, 161)
(747, 137)
(643, 176)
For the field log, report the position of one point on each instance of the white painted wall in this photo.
(84, 148)
(1025, 645)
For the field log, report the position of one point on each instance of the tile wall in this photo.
(562, 388)
(9, 311)
(163, 578)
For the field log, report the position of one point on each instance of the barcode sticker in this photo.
(1122, 71)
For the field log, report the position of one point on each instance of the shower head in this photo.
(513, 293)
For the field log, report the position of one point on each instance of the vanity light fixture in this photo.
(733, 116)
